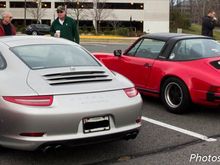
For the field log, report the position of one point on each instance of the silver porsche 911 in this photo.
(55, 93)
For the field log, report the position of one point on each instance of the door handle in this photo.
(147, 65)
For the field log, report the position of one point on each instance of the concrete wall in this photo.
(155, 16)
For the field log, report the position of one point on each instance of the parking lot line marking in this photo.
(181, 130)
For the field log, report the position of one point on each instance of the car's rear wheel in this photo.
(34, 33)
(175, 96)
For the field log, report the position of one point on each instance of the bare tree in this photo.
(99, 13)
(200, 8)
(172, 4)
(78, 8)
(36, 10)
(114, 23)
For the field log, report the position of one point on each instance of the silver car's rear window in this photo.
(51, 56)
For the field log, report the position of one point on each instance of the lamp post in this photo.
(77, 13)
(38, 10)
(130, 25)
(25, 9)
(96, 16)
(65, 4)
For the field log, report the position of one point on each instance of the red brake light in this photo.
(32, 134)
(131, 92)
(138, 120)
(30, 100)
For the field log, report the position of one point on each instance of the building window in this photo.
(21, 4)
(29, 4)
(133, 6)
(46, 4)
(3, 4)
(74, 5)
(89, 5)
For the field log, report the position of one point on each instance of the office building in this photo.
(143, 15)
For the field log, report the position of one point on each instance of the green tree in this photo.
(178, 20)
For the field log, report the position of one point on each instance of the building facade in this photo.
(144, 15)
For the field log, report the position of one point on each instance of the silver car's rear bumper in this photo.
(63, 121)
(27, 143)
(126, 135)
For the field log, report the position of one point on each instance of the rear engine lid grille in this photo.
(76, 77)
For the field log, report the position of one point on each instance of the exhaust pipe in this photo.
(134, 135)
(58, 147)
(131, 135)
(47, 149)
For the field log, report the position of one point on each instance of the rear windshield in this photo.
(51, 56)
(191, 49)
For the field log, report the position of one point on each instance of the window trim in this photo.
(30, 67)
(4, 62)
(141, 40)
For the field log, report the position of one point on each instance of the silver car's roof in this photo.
(12, 41)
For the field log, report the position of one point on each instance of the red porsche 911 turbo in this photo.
(180, 68)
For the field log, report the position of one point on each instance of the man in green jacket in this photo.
(64, 26)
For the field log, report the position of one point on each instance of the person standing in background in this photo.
(64, 26)
(6, 27)
(208, 23)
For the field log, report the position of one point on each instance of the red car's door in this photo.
(135, 69)
(137, 63)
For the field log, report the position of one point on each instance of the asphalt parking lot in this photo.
(164, 139)
(195, 127)
(155, 144)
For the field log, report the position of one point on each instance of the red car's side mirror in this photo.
(117, 52)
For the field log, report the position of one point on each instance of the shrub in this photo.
(178, 20)
(20, 28)
(122, 31)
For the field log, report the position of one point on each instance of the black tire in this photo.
(175, 96)
(34, 33)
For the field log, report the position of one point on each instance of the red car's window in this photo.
(147, 48)
(191, 49)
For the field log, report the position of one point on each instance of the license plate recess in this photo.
(96, 124)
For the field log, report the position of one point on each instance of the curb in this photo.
(107, 37)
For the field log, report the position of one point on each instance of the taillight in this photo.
(30, 100)
(138, 120)
(131, 92)
(32, 134)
